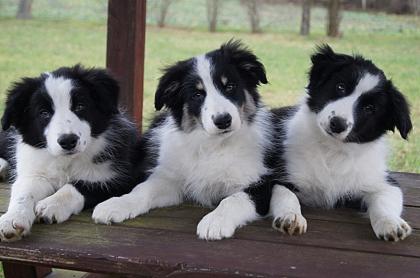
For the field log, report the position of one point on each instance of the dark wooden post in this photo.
(125, 52)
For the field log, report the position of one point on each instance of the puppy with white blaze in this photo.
(67, 144)
(334, 149)
(210, 146)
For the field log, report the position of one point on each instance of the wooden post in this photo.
(125, 52)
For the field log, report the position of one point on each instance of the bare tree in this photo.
(364, 4)
(212, 13)
(305, 24)
(25, 9)
(163, 11)
(334, 18)
(253, 14)
(415, 6)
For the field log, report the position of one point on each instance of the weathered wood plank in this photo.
(125, 52)
(345, 236)
(161, 252)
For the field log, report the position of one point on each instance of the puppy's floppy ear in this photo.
(169, 87)
(17, 101)
(104, 88)
(324, 62)
(400, 112)
(248, 65)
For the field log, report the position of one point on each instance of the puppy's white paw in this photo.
(50, 211)
(214, 226)
(391, 228)
(113, 210)
(291, 223)
(13, 226)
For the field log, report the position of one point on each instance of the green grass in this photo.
(393, 42)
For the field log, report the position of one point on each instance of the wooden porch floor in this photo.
(338, 243)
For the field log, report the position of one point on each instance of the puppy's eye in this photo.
(197, 95)
(45, 114)
(340, 88)
(230, 87)
(79, 107)
(369, 109)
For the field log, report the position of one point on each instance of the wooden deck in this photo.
(163, 243)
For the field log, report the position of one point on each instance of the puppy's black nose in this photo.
(68, 141)
(338, 124)
(223, 121)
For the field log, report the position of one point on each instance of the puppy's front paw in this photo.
(291, 223)
(391, 229)
(113, 210)
(13, 226)
(50, 211)
(215, 226)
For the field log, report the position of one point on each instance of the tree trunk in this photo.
(305, 24)
(364, 5)
(212, 12)
(334, 18)
(164, 7)
(25, 9)
(253, 14)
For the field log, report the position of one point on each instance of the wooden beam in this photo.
(125, 52)
(17, 270)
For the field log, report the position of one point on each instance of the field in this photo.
(65, 34)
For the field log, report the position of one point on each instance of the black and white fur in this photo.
(209, 146)
(334, 147)
(67, 144)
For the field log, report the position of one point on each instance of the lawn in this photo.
(65, 35)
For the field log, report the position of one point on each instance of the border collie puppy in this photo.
(208, 147)
(67, 144)
(334, 149)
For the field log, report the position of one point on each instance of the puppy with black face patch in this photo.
(210, 145)
(67, 144)
(334, 147)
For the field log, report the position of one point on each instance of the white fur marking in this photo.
(64, 121)
(215, 103)
(344, 107)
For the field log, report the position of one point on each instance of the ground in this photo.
(63, 34)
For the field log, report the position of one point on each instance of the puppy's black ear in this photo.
(103, 86)
(400, 112)
(17, 101)
(325, 62)
(169, 87)
(248, 65)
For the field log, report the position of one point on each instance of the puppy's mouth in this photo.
(70, 152)
(225, 131)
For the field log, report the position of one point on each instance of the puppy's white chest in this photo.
(213, 168)
(325, 171)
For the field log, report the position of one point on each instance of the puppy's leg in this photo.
(232, 212)
(156, 191)
(20, 215)
(285, 208)
(384, 208)
(60, 206)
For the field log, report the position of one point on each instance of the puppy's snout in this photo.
(338, 124)
(68, 141)
(223, 121)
